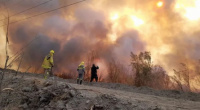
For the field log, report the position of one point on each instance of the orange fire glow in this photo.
(159, 4)
(190, 10)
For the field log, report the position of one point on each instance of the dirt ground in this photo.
(31, 92)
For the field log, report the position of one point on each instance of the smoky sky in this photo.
(71, 40)
(128, 42)
(75, 31)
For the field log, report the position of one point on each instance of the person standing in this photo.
(48, 64)
(94, 73)
(81, 72)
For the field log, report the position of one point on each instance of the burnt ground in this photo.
(31, 92)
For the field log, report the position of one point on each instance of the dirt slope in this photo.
(33, 92)
(141, 101)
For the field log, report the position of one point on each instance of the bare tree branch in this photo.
(19, 64)
(7, 56)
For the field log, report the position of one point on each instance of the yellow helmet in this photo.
(82, 63)
(52, 51)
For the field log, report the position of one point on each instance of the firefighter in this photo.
(81, 72)
(48, 64)
(94, 73)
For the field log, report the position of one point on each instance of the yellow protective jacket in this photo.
(81, 69)
(48, 61)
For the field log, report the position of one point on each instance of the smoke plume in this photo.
(112, 28)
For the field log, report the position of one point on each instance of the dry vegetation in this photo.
(144, 73)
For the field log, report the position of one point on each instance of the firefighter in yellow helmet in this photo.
(81, 72)
(48, 64)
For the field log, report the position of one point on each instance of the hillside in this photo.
(31, 91)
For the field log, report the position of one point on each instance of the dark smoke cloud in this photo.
(35, 51)
(39, 49)
(18, 6)
(129, 42)
(75, 31)
(72, 40)
(185, 49)
(73, 52)
(87, 30)
(57, 27)
(88, 15)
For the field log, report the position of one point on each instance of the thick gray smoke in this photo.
(72, 39)
(75, 31)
